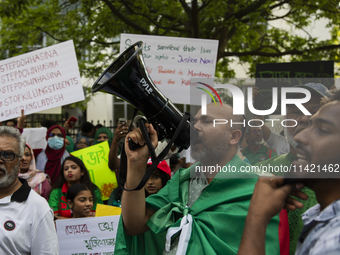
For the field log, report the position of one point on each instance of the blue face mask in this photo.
(56, 143)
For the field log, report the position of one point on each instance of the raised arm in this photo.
(269, 198)
(134, 212)
(120, 132)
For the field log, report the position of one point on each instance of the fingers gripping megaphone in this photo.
(127, 78)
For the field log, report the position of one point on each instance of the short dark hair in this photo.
(87, 127)
(14, 121)
(164, 177)
(74, 190)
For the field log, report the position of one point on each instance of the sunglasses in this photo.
(8, 156)
(53, 135)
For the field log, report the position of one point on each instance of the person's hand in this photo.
(66, 125)
(271, 196)
(120, 132)
(140, 155)
(21, 120)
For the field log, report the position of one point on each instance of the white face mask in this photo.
(55, 143)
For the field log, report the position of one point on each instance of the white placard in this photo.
(36, 137)
(39, 80)
(172, 61)
(56, 110)
(95, 235)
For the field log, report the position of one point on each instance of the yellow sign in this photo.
(107, 210)
(96, 158)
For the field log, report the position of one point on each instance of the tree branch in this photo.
(194, 15)
(124, 19)
(49, 34)
(185, 7)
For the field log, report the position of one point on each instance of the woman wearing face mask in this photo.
(50, 159)
(103, 134)
(37, 180)
(80, 200)
(72, 171)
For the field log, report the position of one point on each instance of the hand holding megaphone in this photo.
(136, 151)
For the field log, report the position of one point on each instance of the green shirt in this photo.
(262, 154)
(294, 217)
(58, 203)
(218, 215)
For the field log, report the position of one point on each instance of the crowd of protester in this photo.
(184, 211)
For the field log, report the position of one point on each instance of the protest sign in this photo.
(36, 137)
(287, 75)
(172, 61)
(96, 158)
(87, 236)
(39, 80)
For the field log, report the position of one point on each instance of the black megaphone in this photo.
(127, 78)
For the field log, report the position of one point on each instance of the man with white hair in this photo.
(26, 221)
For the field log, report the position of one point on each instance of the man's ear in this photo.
(235, 136)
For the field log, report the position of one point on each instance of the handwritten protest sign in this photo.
(172, 61)
(96, 159)
(87, 236)
(39, 80)
(287, 75)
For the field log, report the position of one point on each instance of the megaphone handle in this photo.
(134, 146)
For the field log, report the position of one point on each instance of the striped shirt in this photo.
(321, 231)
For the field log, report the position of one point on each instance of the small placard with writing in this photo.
(39, 80)
(172, 61)
(93, 235)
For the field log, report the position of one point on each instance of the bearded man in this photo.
(26, 220)
(199, 211)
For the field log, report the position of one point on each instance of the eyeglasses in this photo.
(53, 135)
(8, 156)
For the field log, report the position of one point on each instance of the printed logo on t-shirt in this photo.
(9, 225)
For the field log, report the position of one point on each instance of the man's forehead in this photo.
(216, 111)
(329, 112)
(8, 143)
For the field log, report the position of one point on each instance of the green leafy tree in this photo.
(242, 28)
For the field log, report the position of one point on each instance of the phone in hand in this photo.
(122, 121)
(72, 121)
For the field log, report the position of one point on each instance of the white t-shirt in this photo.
(26, 224)
(278, 143)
